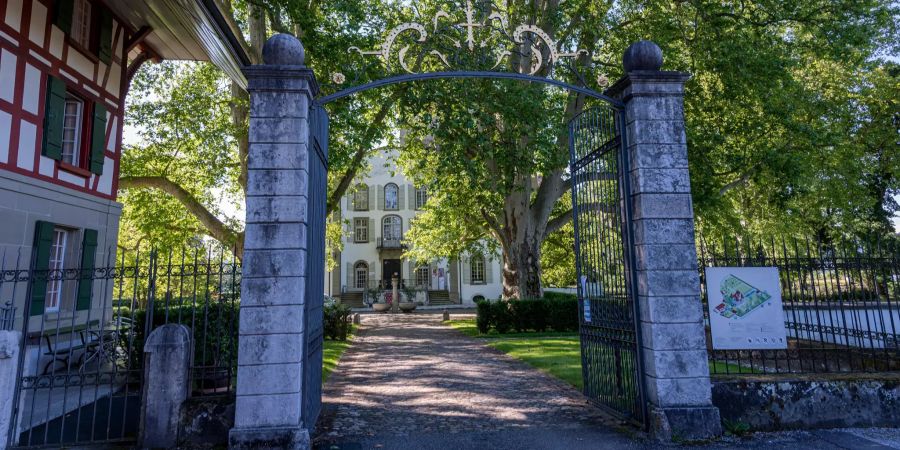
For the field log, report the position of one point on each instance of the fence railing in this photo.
(141, 290)
(841, 305)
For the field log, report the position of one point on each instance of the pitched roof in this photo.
(198, 30)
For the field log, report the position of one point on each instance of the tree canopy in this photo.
(792, 121)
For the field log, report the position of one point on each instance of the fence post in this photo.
(272, 332)
(674, 357)
(10, 346)
(167, 364)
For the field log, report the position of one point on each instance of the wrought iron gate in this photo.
(610, 338)
(315, 259)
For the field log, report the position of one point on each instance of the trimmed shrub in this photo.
(560, 314)
(337, 321)
(563, 314)
(483, 316)
(502, 316)
(550, 295)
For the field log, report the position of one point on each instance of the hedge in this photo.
(560, 314)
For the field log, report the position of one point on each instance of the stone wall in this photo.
(776, 403)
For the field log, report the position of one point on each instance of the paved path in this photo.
(409, 382)
(409, 375)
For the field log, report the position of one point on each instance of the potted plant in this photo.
(382, 302)
(407, 299)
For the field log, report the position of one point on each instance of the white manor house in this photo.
(376, 215)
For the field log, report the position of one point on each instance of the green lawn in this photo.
(558, 354)
(331, 353)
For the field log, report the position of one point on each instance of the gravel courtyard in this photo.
(409, 382)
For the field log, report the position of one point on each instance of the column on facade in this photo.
(674, 355)
(272, 335)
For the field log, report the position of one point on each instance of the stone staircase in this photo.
(353, 299)
(439, 298)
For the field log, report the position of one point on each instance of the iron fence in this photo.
(81, 368)
(841, 310)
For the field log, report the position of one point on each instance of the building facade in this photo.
(65, 67)
(376, 214)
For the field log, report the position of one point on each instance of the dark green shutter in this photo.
(86, 281)
(104, 36)
(43, 241)
(62, 14)
(54, 113)
(98, 139)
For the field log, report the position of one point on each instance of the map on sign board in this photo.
(745, 310)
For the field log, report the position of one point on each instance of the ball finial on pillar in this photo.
(642, 55)
(283, 50)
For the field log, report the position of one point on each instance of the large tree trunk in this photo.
(522, 270)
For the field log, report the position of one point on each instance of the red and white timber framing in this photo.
(31, 48)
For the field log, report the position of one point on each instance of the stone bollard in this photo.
(167, 362)
(356, 319)
(446, 316)
(10, 346)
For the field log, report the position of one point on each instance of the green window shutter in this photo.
(86, 281)
(488, 271)
(62, 14)
(466, 271)
(380, 205)
(349, 268)
(43, 240)
(371, 205)
(372, 230)
(98, 139)
(53, 118)
(104, 37)
(401, 204)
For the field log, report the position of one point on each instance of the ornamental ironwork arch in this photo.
(474, 40)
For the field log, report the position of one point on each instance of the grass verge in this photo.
(557, 353)
(332, 351)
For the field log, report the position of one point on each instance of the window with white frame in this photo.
(361, 275)
(477, 270)
(361, 198)
(361, 230)
(54, 277)
(391, 228)
(421, 197)
(391, 196)
(422, 276)
(72, 123)
(81, 23)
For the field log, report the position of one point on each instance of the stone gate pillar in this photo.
(675, 364)
(270, 381)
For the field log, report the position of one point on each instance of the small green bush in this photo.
(337, 321)
(563, 314)
(550, 295)
(502, 316)
(483, 316)
(560, 314)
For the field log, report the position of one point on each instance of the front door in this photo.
(389, 268)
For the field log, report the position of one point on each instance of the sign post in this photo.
(745, 309)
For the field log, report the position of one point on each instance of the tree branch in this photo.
(561, 220)
(214, 227)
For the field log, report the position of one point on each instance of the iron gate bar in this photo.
(616, 104)
(610, 339)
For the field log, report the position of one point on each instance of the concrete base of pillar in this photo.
(293, 438)
(685, 424)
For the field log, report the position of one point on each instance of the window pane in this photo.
(57, 261)
(361, 229)
(81, 23)
(391, 196)
(361, 198)
(71, 142)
